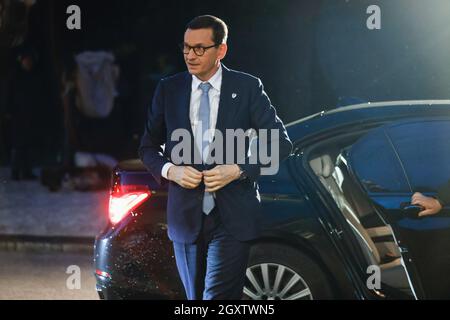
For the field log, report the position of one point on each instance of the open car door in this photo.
(393, 162)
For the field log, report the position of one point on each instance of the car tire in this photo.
(279, 272)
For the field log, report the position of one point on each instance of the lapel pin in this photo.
(234, 95)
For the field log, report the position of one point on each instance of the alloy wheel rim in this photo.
(272, 281)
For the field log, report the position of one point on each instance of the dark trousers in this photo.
(214, 266)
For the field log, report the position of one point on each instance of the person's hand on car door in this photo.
(431, 205)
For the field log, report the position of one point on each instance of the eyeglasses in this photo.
(199, 50)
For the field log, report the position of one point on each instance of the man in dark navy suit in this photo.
(213, 207)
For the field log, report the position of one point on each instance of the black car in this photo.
(337, 216)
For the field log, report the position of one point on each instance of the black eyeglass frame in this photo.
(183, 45)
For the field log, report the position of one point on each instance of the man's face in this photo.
(203, 66)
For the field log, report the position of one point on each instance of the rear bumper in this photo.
(106, 291)
(135, 263)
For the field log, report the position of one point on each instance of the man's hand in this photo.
(185, 176)
(431, 205)
(220, 176)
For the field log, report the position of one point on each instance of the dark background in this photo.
(311, 56)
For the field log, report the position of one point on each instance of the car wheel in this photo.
(277, 272)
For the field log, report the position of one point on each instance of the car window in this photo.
(424, 150)
(374, 162)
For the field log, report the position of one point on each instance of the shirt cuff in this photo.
(165, 169)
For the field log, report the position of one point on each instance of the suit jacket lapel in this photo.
(227, 104)
(185, 102)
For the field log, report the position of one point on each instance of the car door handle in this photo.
(411, 210)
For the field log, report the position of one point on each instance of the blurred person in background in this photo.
(23, 99)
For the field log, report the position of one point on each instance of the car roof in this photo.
(352, 114)
(366, 112)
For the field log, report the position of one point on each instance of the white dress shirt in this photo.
(214, 97)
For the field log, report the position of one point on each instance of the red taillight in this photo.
(103, 273)
(124, 199)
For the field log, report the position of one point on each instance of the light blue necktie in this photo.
(203, 117)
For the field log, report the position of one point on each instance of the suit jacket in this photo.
(243, 104)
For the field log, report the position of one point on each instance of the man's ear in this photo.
(223, 49)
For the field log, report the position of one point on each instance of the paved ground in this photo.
(34, 266)
(28, 275)
(28, 208)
